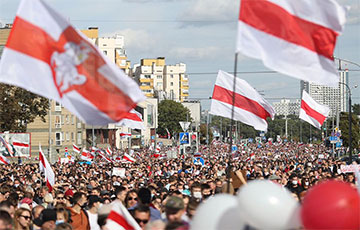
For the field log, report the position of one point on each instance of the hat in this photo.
(26, 206)
(174, 202)
(69, 192)
(45, 215)
(274, 177)
(26, 201)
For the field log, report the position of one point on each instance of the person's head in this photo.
(196, 190)
(5, 220)
(22, 218)
(144, 196)
(62, 215)
(60, 198)
(8, 207)
(94, 202)
(142, 215)
(120, 193)
(47, 219)
(191, 207)
(79, 199)
(131, 198)
(37, 210)
(174, 208)
(63, 226)
(205, 191)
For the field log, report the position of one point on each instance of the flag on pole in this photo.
(296, 38)
(76, 149)
(125, 135)
(119, 218)
(86, 155)
(128, 158)
(313, 112)
(46, 167)
(250, 107)
(102, 155)
(4, 160)
(59, 63)
(168, 133)
(8, 149)
(132, 120)
(109, 152)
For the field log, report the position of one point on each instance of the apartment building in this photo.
(287, 107)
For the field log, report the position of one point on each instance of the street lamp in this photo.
(350, 123)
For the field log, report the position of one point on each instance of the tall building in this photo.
(156, 79)
(336, 98)
(4, 34)
(287, 107)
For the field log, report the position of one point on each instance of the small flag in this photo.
(132, 120)
(46, 167)
(86, 155)
(128, 158)
(4, 160)
(8, 148)
(76, 149)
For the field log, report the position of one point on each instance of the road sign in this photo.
(184, 138)
(251, 140)
(333, 140)
(339, 144)
(184, 125)
(234, 148)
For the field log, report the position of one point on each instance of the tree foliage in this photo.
(170, 114)
(356, 109)
(19, 107)
(344, 127)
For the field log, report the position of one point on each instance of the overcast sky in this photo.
(199, 33)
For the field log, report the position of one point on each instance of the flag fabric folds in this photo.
(86, 155)
(313, 112)
(296, 38)
(132, 120)
(76, 149)
(128, 158)
(250, 107)
(8, 149)
(46, 168)
(59, 63)
(4, 160)
(119, 218)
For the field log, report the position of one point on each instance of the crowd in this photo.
(158, 193)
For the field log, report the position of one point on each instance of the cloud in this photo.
(195, 53)
(207, 12)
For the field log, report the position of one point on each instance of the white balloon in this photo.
(220, 212)
(266, 205)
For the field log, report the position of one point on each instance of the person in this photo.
(8, 206)
(174, 209)
(22, 219)
(191, 208)
(62, 215)
(5, 220)
(144, 196)
(46, 219)
(63, 226)
(141, 214)
(120, 194)
(93, 205)
(80, 220)
(131, 199)
(36, 211)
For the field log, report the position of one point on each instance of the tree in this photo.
(203, 128)
(344, 127)
(19, 107)
(356, 109)
(170, 114)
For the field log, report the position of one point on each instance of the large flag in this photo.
(109, 152)
(250, 107)
(119, 218)
(128, 158)
(7, 147)
(4, 160)
(295, 37)
(76, 149)
(133, 120)
(59, 63)
(313, 112)
(46, 168)
(86, 155)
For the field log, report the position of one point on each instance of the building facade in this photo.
(336, 98)
(287, 107)
(156, 79)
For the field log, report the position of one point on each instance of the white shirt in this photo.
(93, 221)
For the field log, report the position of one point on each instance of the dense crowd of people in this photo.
(159, 193)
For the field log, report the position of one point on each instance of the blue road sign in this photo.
(199, 159)
(184, 138)
(251, 140)
(234, 148)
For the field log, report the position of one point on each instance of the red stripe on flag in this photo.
(273, 19)
(312, 113)
(132, 116)
(241, 102)
(18, 144)
(41, 46)
(120, 220)
(41, 158)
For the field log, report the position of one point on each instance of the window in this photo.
(159, 77)
(172, 84)
(171, 76)
(62, 119)
(105, 52)
(79, 138)
(57, 138)
(72, 119)
(57, 121)
(62, 136)
(57, 106)
(72, 136)
(67, 119)
(67, 136)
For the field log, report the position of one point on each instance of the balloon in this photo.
(331, 205)
(267, 205)
(218, 213)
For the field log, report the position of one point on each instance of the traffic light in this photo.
(194, 142)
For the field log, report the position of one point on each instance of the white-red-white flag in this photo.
(125, 135)
(296, 38)
(119, 218)
(313, 112)
(86, 155)
(4, 160)
(76, 149)
(132, 120)
(128, 158)
(103, 156)
(60, 63)
(250, 107)
(109, 152)
(46, 168)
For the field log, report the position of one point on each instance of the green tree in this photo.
(19, 107)
(356, 109)
(203, 137)
(170, 114)
(344, 127)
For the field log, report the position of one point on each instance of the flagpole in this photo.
(49, 153)
(232, 122)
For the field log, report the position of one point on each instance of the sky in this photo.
(199, 33)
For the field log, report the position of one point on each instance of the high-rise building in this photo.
(287, 107)
(156, 79)
(336, 98)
